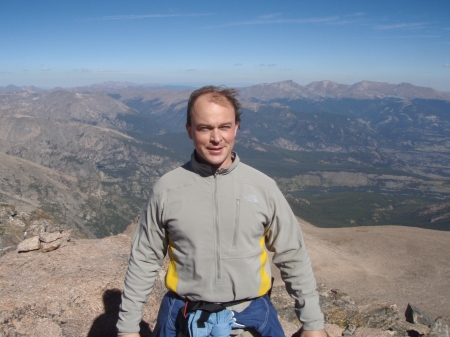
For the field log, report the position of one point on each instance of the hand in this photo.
(130, 335)
(313, 333)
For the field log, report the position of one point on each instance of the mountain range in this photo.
(328, 89)
(344, 155)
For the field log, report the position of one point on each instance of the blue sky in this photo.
(50, 43)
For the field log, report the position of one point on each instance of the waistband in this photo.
(197, 304)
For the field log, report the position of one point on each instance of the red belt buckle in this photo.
(185, 309)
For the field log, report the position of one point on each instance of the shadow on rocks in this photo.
(105, 324)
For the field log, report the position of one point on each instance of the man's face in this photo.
(213, 130)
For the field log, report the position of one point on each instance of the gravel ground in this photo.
(392, 263)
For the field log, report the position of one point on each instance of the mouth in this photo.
(215, 150)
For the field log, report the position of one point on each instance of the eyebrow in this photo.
(208, 125)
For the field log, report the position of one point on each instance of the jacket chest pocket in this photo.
(248, 227)
(236, 224)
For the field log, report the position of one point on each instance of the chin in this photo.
(216, 162)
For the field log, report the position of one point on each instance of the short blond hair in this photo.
(220, 95)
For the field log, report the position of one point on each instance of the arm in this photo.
(285, 239)
(148, 249)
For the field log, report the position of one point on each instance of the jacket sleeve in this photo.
(285, 239)
(149, 246)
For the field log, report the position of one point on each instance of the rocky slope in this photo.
(82, 174)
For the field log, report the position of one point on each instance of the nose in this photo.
(216, 137)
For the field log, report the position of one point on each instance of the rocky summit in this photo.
(367, 164)
(75, 290)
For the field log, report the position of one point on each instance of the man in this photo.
(214, 216)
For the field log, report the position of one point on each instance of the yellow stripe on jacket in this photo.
(265, 278)
(172, 275)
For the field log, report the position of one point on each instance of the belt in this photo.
(210, 306)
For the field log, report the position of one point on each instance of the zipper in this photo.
(236, 227)
(216, 223)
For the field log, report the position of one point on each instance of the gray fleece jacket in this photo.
(214, 228)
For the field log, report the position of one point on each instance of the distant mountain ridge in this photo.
(285, 89)
(328, 89)
(12, 88)
(96, 108)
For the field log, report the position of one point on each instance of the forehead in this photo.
(210, 110)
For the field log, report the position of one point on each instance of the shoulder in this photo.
(177, 178)
(246, 174)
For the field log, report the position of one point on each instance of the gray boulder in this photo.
(414, 315)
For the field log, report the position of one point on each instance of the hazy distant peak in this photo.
(284, 89)
(24, 89)
(326, 88)
(322, 85)
(288, 86)
(287, 83)
(11, 88)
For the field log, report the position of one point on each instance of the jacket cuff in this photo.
(315, 325)
(127, 325)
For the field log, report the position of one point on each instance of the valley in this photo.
(89, 155)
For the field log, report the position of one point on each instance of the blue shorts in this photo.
(260, 315)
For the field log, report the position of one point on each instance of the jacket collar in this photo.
(205, 170)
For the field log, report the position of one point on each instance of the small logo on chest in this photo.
(251, 198)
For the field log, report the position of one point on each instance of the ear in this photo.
(236, 127)
(189, 129)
